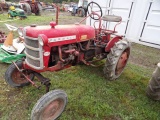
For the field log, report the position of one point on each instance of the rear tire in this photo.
(26, 7)
(39, 11)
(117, 59)
(50, 106)
(153, 89)
(14, 78)
(81, 12)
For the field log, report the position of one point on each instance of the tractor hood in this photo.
(78, 32)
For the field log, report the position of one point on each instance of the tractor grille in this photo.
(31, 42)
(34, 62)
(34, 54)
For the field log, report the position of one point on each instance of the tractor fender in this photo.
(112, 42)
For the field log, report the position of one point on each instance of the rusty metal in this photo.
(57, 12)
(90, 63)
(69, 51)
(2, 37)
(21, 71)
(53, 109)
(43, 80)
(60, 54)
(122, 62)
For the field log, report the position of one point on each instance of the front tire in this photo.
(117, 59)
(14, 78)
(50, 106)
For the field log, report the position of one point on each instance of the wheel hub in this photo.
(53, 109)
(121, 62)
(18, 78)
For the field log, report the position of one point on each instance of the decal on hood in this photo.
(57, 39)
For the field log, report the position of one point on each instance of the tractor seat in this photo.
(111, 18)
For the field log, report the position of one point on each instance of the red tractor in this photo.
(31, 6)
(56, 47)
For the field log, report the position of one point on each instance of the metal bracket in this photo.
(43, 80)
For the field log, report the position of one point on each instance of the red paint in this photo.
(62, 31)
(112, 42)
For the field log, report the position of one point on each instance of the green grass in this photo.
(90, 95)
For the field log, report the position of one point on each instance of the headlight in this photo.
(43, 39)
(20, 31)
(40, 41)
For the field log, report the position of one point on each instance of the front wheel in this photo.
(50, 106)
(14, 78)
(117, 59)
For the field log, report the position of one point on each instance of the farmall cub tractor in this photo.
(56, 47)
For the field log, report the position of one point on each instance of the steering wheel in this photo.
(94, 10)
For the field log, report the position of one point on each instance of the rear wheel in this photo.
(39, 11)
(14, 78)
(117, 59)
(81, 12)
(153, 89)
(27, 8)
(50, 106)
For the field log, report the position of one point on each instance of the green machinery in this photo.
(16, 12)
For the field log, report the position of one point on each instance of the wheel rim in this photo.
(79, 13)
(53, 109)
(18, 78)
(122, 61)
